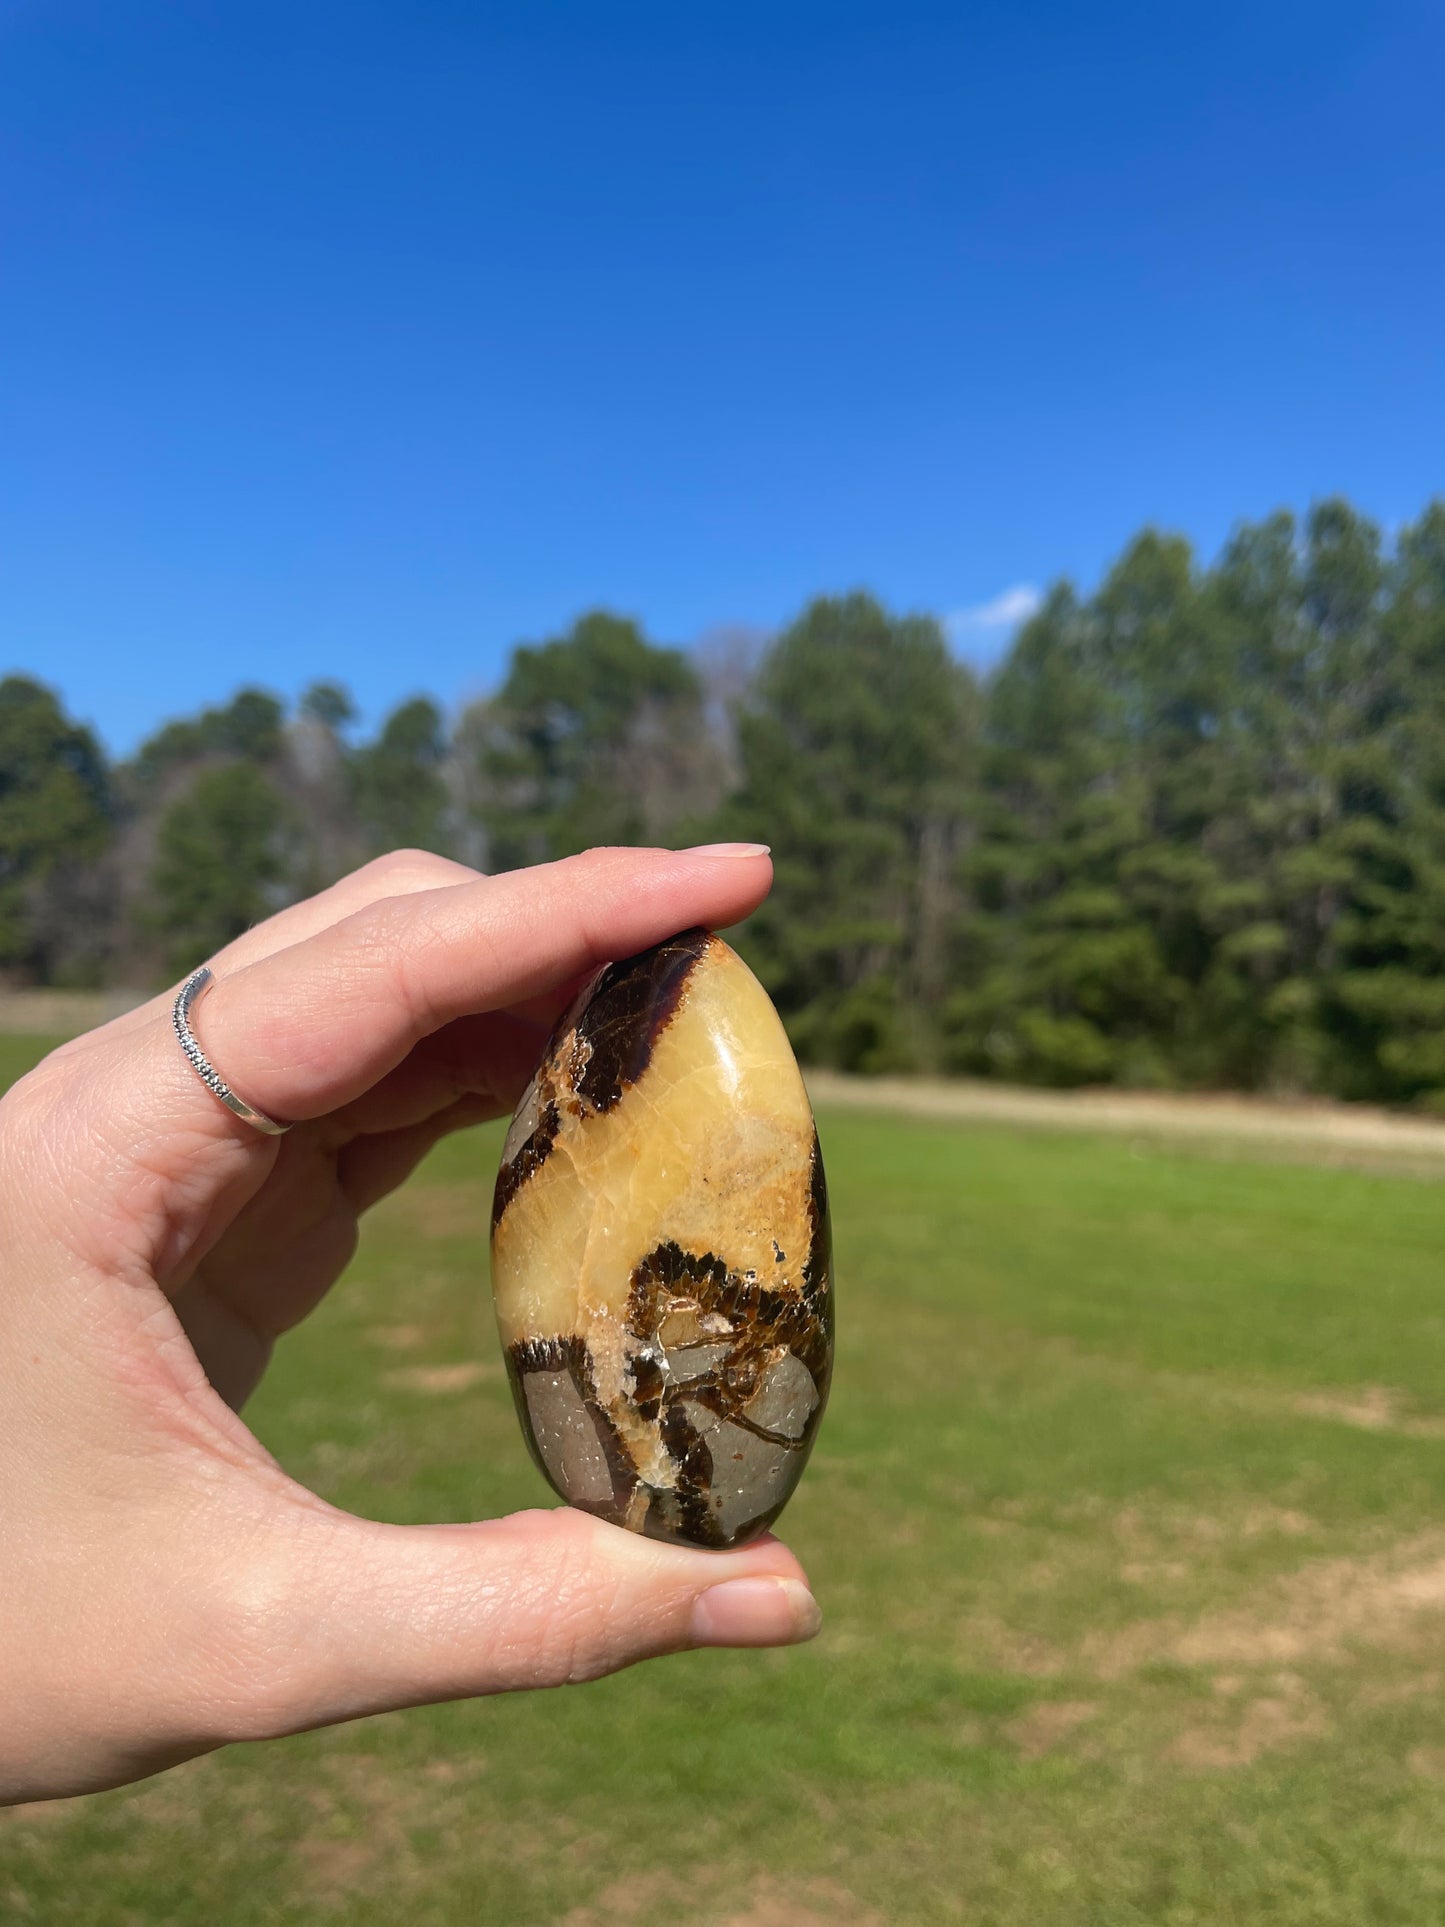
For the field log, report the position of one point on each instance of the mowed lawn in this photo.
(1128, 1523)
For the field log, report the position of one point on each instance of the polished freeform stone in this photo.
(660, 1251)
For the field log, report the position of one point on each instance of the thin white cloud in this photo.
(983, 621)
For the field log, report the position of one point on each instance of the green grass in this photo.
(1133, 1574)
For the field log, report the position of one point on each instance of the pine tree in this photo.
(855, 747)
(597, 736)
(56, 818)
(225, 854)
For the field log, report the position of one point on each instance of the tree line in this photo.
(1190, 832)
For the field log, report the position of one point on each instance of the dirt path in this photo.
(1316, 1128)
(62, 1013)
(1319, 1127)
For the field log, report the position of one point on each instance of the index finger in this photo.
(313, 1026)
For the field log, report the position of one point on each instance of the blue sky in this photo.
(365, 340)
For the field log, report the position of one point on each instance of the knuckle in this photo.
(392, 865)
(605, 857)
(250, 1674)
(34, 1101)
(380, 942)
(404, 962)
(589, 870)
(413, 869)
(395, 942)
(581, 1600)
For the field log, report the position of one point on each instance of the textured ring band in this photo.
(189, 991)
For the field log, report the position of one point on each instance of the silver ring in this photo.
(189, 991)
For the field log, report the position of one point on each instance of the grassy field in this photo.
(1128, 1522)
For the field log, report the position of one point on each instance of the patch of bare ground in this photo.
(991, 1642)
(1158, 1547)
(766, 1902)
(636, 1897)
(812, 1903)
(1047, 1725)
(1365, 1408)
(399, 1338)
(1155, 1572)
(441, 1210)
(167, 1800)
(1149, 1526)
(41, 1813)
(1416, 1685)
(1152, 1530)
(382, 1458)
(332, 1869)
(1328, 1606)
(1371, 1408)
(1247, 1729)
(1317, 1127)
(359, 1832)
(436, 1380)
(364, 1812)
(63, 1013)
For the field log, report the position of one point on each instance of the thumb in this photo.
(361, 1617)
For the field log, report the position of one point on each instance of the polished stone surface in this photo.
(661, 1256)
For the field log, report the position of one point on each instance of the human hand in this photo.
(166, 1587)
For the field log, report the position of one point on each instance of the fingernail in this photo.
(755, 1612)
(728, 849)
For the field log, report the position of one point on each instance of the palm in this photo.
(285, 1244)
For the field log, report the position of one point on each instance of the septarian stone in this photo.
(660, 1251)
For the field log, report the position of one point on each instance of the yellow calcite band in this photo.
(710, 1151)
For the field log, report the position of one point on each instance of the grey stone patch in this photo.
(785, 1398)
(567, 1437)
(749, 1475)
